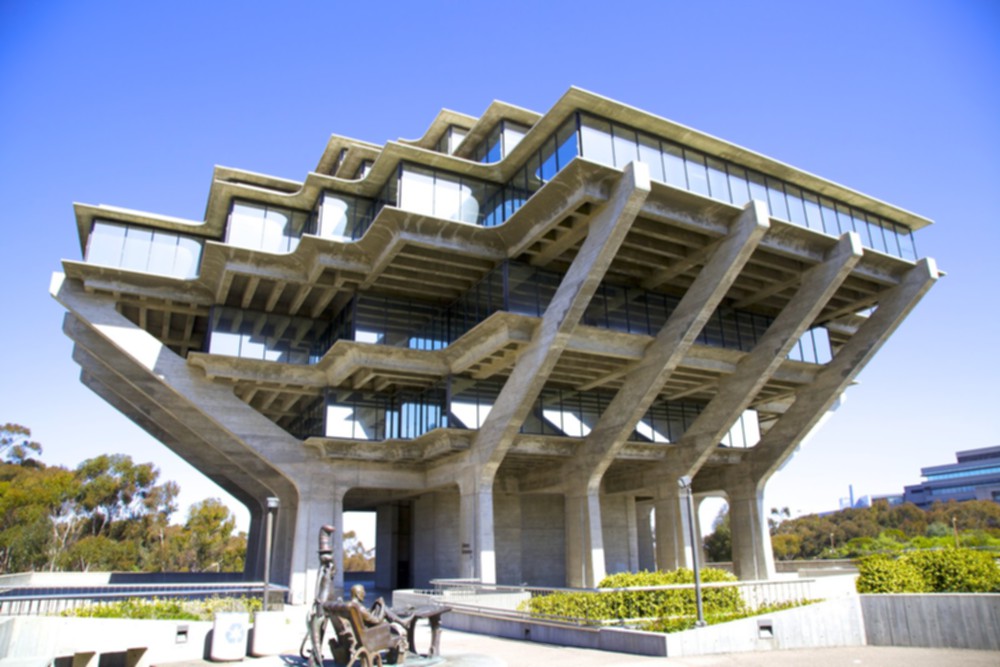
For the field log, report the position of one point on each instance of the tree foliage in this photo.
(881, 528)
(110, 513)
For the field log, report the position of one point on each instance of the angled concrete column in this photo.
(632, 518)
(673, 542)
(320, 504)
(737, 390)
(644, 535)
(607, 231)
(584, 541)
(645, 380)
(476, 537)
(751, 539)
(813, 400)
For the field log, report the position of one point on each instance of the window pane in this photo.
(274, 238)
(566, 140)
(106, 244)
(416, 190)
(845, 222)
(776, 199)
(814, 217)
(717, 180)
(738, 185)
(649, 152)
(758, 190)
(595, 136)
(246, 225)
(830, 224)
(447, 198)
(469, 195)
(137, 243)
(696, 174)
(549, 169)
(333, 218)
(796, 207)
(187, 258)
(673, 165)
(161, 253)
(625, 146)
(512, 135)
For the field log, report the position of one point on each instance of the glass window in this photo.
(776, 199)
(844, 221)
(814, 217)
(717, 180)
(697, 177)
(595, 137)
(830, 223)
(738, 185)
(106, 244)
(758, 190)
(512, 135)
(566, 140)
(333, 218)
(469, 195)
(649, 152)
(162, 252)
(275, 234)
(673, 165)
(447, 198)
(187, 258)
(416, 190)
(136, 255)
(796, 206)
(246, 225)
(549, 164)
(624, 146)
(878, 237)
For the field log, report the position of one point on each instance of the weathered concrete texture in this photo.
(940, 620)
(831, 623)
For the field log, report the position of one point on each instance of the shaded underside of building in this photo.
(510, 338)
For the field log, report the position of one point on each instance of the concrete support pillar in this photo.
(752, 555)
(673, 546)
(253, 566)
(320, 505)
(632, 530)
(476, 537)
(584, 540)
(644, 535)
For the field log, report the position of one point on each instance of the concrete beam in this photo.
(736, 391)
(812, 401)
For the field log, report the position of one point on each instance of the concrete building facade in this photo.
(974, 476)
(509, 338)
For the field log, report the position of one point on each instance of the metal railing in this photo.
(52, 600)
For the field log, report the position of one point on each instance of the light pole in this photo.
(685, 484)
(272, 507)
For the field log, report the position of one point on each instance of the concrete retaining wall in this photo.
(940, 620)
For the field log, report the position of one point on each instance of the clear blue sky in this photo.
(132, 103)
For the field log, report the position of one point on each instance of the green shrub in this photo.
(940, 571)
(884, 574)
(957, 570)
(611, 605)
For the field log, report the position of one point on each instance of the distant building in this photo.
(510, 338)
(976, 476)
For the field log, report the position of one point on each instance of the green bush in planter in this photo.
(885, 574)
(940, 571)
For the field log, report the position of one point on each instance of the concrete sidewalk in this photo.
(514, 653)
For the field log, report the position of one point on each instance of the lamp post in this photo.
(272, 507)
(685, 484)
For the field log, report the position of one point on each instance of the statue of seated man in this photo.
(378, 612)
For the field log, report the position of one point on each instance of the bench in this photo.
(358, 641)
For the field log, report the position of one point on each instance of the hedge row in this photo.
(944, 571)
(625, 604)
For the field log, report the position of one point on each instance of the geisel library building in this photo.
(510, 338)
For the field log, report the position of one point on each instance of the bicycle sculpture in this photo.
(358, 636)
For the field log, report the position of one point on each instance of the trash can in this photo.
(268, 636)
(229, 636)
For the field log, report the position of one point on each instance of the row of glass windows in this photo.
(267, 336)
(526, 290)
(952, 490)
(464, 404)
(450, 140)
(142, 249)
(965, 473)
(500, 142)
